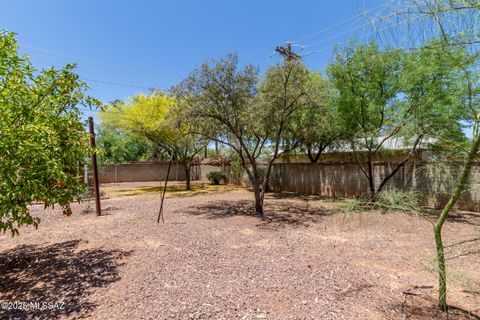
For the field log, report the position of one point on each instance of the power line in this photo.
(344, 21)
(362, 36)
(382, 18)
(83, 62)
(103, 81)
(126, 85)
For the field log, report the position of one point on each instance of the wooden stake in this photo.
(160, 212)
(98, 209)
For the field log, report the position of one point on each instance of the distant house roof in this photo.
(397, 143)
(215, 161)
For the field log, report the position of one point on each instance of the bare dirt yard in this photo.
(214, 259)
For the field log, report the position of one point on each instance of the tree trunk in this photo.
(187, 177)
(311, 157)
(400, 165)
(371, 183)
(442, 273)
(258, 197)
(463, 181)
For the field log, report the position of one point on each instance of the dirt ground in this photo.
(214, 259)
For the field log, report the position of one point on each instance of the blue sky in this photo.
(157, 43)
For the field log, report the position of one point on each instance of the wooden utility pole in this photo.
(287, 53)
(98, 209)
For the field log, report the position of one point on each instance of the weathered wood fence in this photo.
(335, 178)
(345, 179)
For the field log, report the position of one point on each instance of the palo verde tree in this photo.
(318, 125)
(389, 97)
(249, 117)
(455, 24)
(43, 142)
(155, 117)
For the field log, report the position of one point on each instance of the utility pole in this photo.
(287, 53)
(94, 167)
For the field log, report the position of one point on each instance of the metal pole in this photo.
(94, 165)
(160, 212)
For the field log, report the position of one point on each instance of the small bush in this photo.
(404, 201)
(216, 177)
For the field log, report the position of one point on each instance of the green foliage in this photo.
(388, 201)
(367, 80)
(282, 95)
(216, 177)
(236, 169)
(405, 201)
(399, 96)
(232, 107)
(43, 142)
(317, 124)
(160, 119)
(392, 93)
(116, 146)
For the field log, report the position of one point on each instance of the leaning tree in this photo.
(455, 24)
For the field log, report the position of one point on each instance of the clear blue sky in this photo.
(157, 43)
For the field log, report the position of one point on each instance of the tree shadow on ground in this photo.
(421, 306)
(55, 273)
(304, 196)
(275, 215)
(458, 216)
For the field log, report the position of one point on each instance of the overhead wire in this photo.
(343, 22)
(374, 20)
(83, 63)
(362, 36)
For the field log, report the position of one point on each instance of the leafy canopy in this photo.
(43, 142)
(156, 117)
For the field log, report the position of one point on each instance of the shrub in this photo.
(236, 170)
(215, 177)
(404, 201)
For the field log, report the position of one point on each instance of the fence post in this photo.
(95, 169)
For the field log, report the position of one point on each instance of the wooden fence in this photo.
(334, 178)
(345, 179)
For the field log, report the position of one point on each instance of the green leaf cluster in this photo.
(43, 142)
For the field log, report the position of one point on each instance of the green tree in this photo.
(116, 146)
(158, 118)
(43, 142)
(318, 126)
(455, 24)
(232, 108)
(394, 96)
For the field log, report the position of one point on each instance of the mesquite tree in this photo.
(318, 125)
(233, 109)
(393, 97)
(43, 142)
